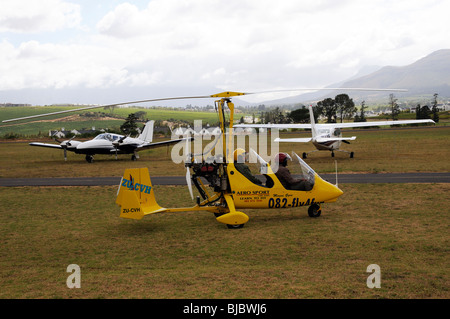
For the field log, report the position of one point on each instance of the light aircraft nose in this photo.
(328, 192)
(335, 192)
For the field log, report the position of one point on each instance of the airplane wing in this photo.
(158, 144)
(280, 126)
(46, 145)
(379, 123)
(293, 140)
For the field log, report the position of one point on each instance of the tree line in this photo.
(341, 108)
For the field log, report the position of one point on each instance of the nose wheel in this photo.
(314, 210)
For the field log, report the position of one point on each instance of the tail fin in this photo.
(135, 196)
(313, 122)
(147, 133)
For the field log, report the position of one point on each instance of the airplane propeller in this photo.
(64, 145)
(116, 144)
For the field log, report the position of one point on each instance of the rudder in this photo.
(136, 196)
(147, 133)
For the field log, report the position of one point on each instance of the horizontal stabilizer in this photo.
(294, 140)
(162, 143)
(333, 139)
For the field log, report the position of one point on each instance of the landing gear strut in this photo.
(134, 157)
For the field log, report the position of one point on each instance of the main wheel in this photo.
(314, 210)
(235, 226)
(304, 155)
(351, 154)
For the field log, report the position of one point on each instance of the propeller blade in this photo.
(65, 153)
(189, 181)
(188, 172)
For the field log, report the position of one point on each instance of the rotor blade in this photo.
(108, 105)
(328, 89)
(221, 95)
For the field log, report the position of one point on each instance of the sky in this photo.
(237, 45)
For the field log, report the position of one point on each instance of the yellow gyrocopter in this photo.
(228, 190)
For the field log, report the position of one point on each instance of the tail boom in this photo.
(136, 197)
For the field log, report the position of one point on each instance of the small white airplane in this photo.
(110, 143)
(327, 137)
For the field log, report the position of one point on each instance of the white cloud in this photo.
(249, 45)
(37, 16)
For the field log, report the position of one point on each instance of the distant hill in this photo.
(426, 76)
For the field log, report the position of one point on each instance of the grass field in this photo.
(278, 254)
(403, 228)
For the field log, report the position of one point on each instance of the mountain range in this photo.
(426, 76)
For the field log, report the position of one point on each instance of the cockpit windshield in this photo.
(108, 137)
(255, 158)
(308, 173)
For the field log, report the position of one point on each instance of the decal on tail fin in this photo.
(135, 196)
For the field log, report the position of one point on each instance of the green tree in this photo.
(361, 117)
(422, 112)
(327, 107)
(129, 127)
(141, 115)
(395, 109)
(345, 106)
(300, 115)
(434, 108)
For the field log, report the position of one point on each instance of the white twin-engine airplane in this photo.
(327, 137)
(110, 143)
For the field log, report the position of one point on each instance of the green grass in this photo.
(278, 254)
(376, 151)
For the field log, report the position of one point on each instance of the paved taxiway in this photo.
(181, 180)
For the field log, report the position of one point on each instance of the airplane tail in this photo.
(313, 122)
(135, 195)
(147, 133)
